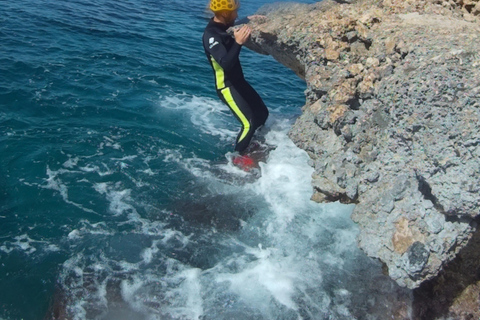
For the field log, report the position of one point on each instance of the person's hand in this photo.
(242, 34)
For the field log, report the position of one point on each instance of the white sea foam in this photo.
(190, 291)
(148, 171)
(148, 254)
(87, 228)
(210, 116)
(74, 234)
(89, 168)
(28, 245)
(287, 267)
(109, 142)
(71, 162)
(263, 278)
(126, 158)
(52, 248)
(118, 199)
(54, 182)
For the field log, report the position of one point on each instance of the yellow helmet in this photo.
(220, 5)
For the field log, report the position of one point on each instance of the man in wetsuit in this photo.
(223, 52)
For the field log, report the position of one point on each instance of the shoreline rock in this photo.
(391, 120)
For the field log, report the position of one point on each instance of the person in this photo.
(222, 51)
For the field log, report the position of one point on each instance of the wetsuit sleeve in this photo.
(215, 47)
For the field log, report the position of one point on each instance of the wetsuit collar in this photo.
(219, 25)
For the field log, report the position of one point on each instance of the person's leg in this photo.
(243, 112)
(258, 107)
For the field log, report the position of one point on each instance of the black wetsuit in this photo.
(223, 54)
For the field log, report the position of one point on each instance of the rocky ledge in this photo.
(391, 121)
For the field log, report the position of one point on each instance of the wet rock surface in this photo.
(391, 121)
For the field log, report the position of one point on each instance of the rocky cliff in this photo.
(391, 121)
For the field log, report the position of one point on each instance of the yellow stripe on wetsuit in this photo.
(219, 74)
(227, 94)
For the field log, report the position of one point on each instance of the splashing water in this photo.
(223, 249)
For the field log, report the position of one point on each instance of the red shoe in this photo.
(244, 162)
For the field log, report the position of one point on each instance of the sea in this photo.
(117, 196)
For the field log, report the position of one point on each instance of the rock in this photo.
(387, 204)
(476, 10)
(415, 259)
(403, 237)
(352, 191)
(356, 68)
(337, 111)
(391, 120)
(359, 48)
(319, 197)
(366, 86)
(390, 46)
(434, 226)
(328, 189)
(455, 293)
(373, 176)
(400, 186)
(332, 54)
(467, 304)
(372, 62)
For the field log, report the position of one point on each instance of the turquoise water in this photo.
(116, 198)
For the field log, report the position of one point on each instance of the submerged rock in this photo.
(391, 120)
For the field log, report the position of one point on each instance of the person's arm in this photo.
(227, 59)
